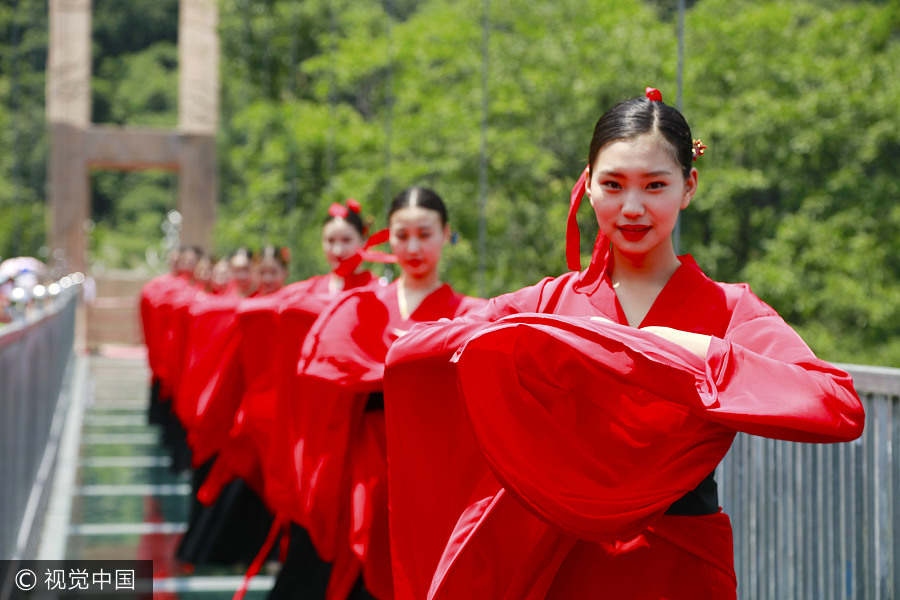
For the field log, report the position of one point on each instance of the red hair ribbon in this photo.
(573, 236)
(337, 210)
(354, 205)
(350, 264)
(285, 253)
(653, 94)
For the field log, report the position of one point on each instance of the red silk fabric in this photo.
(271, 330)
(542, 463)
(150, 298)
(339, 452)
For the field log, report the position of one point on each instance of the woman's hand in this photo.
(696, 343)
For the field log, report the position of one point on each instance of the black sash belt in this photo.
(702, 500)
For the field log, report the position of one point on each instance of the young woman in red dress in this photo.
(569, 448)
(336, 435)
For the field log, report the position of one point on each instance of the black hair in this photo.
(281, 254)
(634, 117)
(353, 218)
(419, 196)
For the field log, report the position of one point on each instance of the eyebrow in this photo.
(614, 173)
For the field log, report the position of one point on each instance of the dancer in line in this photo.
(569, 449)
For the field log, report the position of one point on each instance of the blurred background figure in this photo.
(272, 268)
(241, 266)
(220, 278)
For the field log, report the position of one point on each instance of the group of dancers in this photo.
(402, 440)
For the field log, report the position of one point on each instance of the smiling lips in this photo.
(634, 233)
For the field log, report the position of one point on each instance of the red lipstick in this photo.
(634, 233)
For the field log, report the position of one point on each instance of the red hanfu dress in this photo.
(337, 444)
(543, 461)
(151, 296)
(156, 307)
(270, 332)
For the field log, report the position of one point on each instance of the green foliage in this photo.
(23, 55)
(328, 99)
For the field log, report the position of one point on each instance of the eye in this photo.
(656, 185)
(611, 184)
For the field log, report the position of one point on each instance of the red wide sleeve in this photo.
(597, 428)
(585, 425)
(240, 453)
(211, 388)
(435, 469)
(297, 315)
(342, 362)
(769, 383)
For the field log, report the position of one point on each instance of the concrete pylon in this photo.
(77, 146)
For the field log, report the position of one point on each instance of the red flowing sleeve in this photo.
(598, 428)
(770, 383)
(435, 468)
(296, 318)
(149, 301)
(572, 430)
(341, 363)
(239, 455)
(211, 388)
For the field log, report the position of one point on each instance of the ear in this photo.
(587, 188)
(690, 188)
(447, 233)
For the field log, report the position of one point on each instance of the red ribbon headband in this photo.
(340, 211)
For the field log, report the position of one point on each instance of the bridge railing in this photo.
(34, 354)
(820, 521)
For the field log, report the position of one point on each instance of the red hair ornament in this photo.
(653, 94)
(337, 210)
(351, 263)
(573, 235)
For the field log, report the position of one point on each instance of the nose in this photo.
(413, 245)
(632, 205)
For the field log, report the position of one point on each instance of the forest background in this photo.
(799, 102)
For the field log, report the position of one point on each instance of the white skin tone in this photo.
(417, 240)
(187, 262)
(240, 273)
(340, 240)
(637, 190)
(271, 275)
(219, 278)
(203, 271)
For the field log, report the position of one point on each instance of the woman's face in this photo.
(218, 281)
(271, 275)
(340, 241)
(203, 271)
(417, 238)
(637, 190)
(241, 275)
